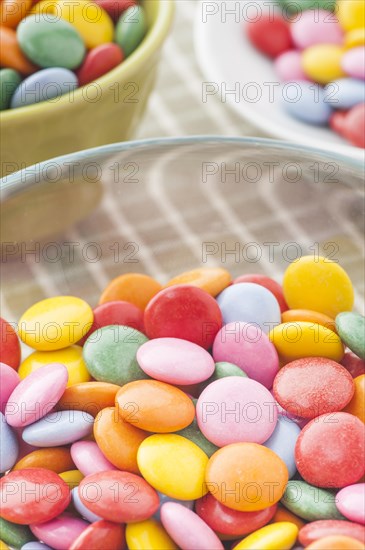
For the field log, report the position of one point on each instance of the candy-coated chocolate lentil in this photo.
(303, 339)
(309, 502)
(283, 440)
(293, 315)
(274, 287)
(351, 328)
(44, 496)
(164, 498)
(354, 126)
(56, 459)
(118, 496)
(277, 535)
(336, 542)
(288, 66)
(250, 349)
(9, 447)
(136, 288)
(318, 284)
(340, 461)
(89, 459)
(115, 7)
(36, 395)
(60, 532)
(101, 534)
(9, 81)
(3, 546)
(316, 27)
(44, 85)
(349, 93)
(193, 433)
(185, 312)
(236, 409)
(36, 546)
(354, 38)
(118, 440)
(351, 502)
(331, 527)
(72, 478)
(58, 428)
(282, 514)
(12, 11)
(351, 14)
(307, 102)
(91, 21)
(211, 279)
(44, 7)
(15, 535)
(9, 345)
(131, 29)
(90, 397)
(9, 379)
(357, 403)
(148, 535)
(271, 35)
(110, 354)
(353, 364)
(70, 357)
(187, 529)
(175, 361)
(250, 488)
(173, 465)
(313, 386)
(323, 63)
(11, 56)
(81, 509)
(226, 521)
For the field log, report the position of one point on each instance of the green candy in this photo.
(50, 41)
(222, 370)
(130, 29)
(309, 502)
(9, 81)
(351, 329)
(15, 535)
(296, 6)
(110, 354)
(193, 433)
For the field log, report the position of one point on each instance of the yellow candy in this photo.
(70, 357)
(351, 14)
(173, 465)
(44, 7)
(303, 339)
(72, 478)
(322, 63)
(91, 20)
(148, 535)
(3, 546)
(355, 38)
(271, 537)
(55, 323)
(318, 284)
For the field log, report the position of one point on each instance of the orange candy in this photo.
(155, 406)
(211, 279)
(336, 543)
(282, 514)
(57, 459)
(118, 440)
(293, 315)
(90, 397)
(12, 11)
(246, 476)
(135, 288)
(11, 55)
(357, 403)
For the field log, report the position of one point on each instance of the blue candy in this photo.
(34, 545)
(345, 93)
(306, 101)
(44, 85)
(9, 447)
(81, 508)
(283, 441)
(58, 428)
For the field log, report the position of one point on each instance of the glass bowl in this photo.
(164, 206)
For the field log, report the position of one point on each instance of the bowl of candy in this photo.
(294, 69)
(182, 348)
(75, 74)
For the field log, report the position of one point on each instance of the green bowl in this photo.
(106, 111)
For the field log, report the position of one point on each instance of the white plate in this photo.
(229, 62)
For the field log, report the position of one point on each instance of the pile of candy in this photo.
(50, 48)
(320, 56)
(202, 415)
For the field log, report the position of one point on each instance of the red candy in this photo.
(185, 312)
(330, 450)
(101, 534)
(226, 521)
(354, 126)
(354, 364)
(115, 7)
(330, 527)
(268, 283)
(98, 62)
(271, 35)
(9, 345)
(34, 495)
(337, 121)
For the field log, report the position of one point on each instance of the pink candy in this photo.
(316, 27)
(89, 459)
(9, 379)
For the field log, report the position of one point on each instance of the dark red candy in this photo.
(330, 527)
(33, 495)
(115, 7)
(354, 127)
(313, 386)
(270, 34)
(101, 534)
(185, 312)
(330, 450)
(9, 345)
(227, 521)
(116, 313)
(99, 61)
(268, 283)
(354, 364)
